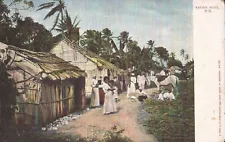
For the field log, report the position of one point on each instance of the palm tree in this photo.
(186, 57)
(92, 40)
(119, 53)
(107, 44)
(123, 41)
(162, 54)
(151, 43)
(70, 28)
(57, 7)
(172, 55)
(107, 33)
(182, 53)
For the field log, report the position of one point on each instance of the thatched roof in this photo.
(38, 63)
(99, 61)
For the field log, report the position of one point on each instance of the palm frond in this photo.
(76, 24)
(114, 45)
(54, 10)
(75, 19)
(67, 15)
(56, 21)
(45, 5)
(58, 30)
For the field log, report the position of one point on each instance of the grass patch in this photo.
(113, 135)
(173, 121)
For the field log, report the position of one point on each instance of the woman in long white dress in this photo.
(114, 95)
(95, 101)
(108, 103)
(132, 87)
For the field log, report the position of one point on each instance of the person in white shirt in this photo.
(132, 87)
(95, 99)
(141, 81)
(169, 95)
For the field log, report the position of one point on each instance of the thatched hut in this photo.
(49, 87)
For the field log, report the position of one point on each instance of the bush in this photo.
(114, 135)
(173, 121)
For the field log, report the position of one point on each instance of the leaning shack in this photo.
(49, 87)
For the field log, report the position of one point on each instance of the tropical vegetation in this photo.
(173, 121)
(121, 50)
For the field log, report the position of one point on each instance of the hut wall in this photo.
(28, 99)
(58, 99)
(64, 51)
(46, 101)
(67, 53)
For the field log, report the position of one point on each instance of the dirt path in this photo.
(93, 123)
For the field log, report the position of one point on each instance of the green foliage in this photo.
(33, 36)
(162, 53)
(92, 40)
(24, 33)
(174, 62)
(173, 121)
(68, 27)
(114, 135)
(190, 68)
(28, 4)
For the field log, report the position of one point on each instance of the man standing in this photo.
(141, 81)
(95, 102)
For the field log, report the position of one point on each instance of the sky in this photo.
(167, 22)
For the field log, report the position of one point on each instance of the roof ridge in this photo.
(48, 63)
(86, 50)
(90, 55)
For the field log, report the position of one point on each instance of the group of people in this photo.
(168, 95)
(140, 80)
(110, 89)
(111, 95)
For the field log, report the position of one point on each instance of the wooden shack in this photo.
(86, 60)
(49, 87)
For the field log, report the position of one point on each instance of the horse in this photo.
(170, 80)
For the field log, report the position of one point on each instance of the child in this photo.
(115, 92)
(142, 95)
